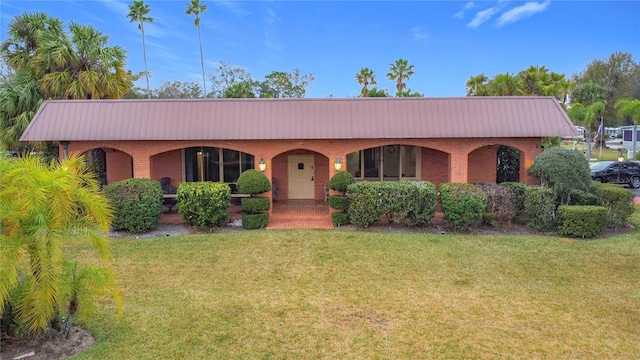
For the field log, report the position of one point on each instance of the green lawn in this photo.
(362, 295)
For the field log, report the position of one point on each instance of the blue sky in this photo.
(446, 41)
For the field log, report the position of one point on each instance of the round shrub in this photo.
(255, 221)
(424, 208)
(136, 204)
(253, 181)
(340, 218)
(340, 181)
(255, 205)
(204, 204)
(338, 202)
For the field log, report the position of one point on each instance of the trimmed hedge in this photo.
(204, 204)
(540, 206)
(499, 210)
(341, 181)
(338, 202)
(340, 218)
(424, 207)
(255, 221)
(617, 200)
(136, 204)
(581, 221)
(363, 200)
(252, 182)
(579, 197)
(255, 205)
(462, 204)
(518, 191)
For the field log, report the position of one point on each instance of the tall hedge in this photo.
(340, 182)
(254, 182)
(204, 204)
(136, 204)
(617, 200)
(424, 206)
(462, 204)
(518, 191)
(540, 206)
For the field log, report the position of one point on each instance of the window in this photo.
(390, 162)
(214, 164)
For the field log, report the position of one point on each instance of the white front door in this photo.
(301, 177)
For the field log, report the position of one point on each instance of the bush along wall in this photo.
(413, 203)
(462, 204)
(339, 183)
(581, 221)
(518, 191)
(499, 210)
(540, 206)
(204, 204)
(254, 215)
(136, 204)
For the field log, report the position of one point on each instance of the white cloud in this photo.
(271, 38)
(418, 33)
(521, 12)
(482, 16)
(467, 6)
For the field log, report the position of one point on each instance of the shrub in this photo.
(617, 200)
(338, 202)
(255, 205)
(363, 200)
(579, 197)
(581, 221)
(136, 204)
(252, 182)
(340, 218)
(518, 191)
(424, 204)
(462, 204)
(540, 206)
(204, 204)
(499, 210)
(340, 181)
(563, 170)
(255, 221)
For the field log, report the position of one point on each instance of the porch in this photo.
(285, 214)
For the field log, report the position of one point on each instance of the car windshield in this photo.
(600, 165)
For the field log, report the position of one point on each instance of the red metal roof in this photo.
(252, 119)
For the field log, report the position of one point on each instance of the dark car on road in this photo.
(617, 172)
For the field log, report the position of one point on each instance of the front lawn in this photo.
(357, 295)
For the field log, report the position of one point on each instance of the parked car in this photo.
(617, 172)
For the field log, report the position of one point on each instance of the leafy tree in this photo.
(619, 75)
(196, 7)
(281, 84)
(240, 90)
(629, 108)
(588, 93)
(226, 75)
(365, 78)
(409, 93)
(563, 170)
(43, 207)
(177, 90)
(374, 92)
(138, 12)
(399, 72)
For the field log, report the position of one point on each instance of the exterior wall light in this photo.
(262, 165)
(338, 164)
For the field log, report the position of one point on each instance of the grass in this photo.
(605, 154)
(354, 295)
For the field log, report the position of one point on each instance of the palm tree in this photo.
(21, 44)
(630, 108)
(365, 78)
(534, 79)
(506, 85)
(400, 71)
(196, 7)
(588, 116)
(81, 287)
(80, 66)
(43, 207)
(20, 98)
(138, 12)
(477, 85)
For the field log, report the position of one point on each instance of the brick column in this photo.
(459, 167)
(141, 166)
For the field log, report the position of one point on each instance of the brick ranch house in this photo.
(300, 140)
